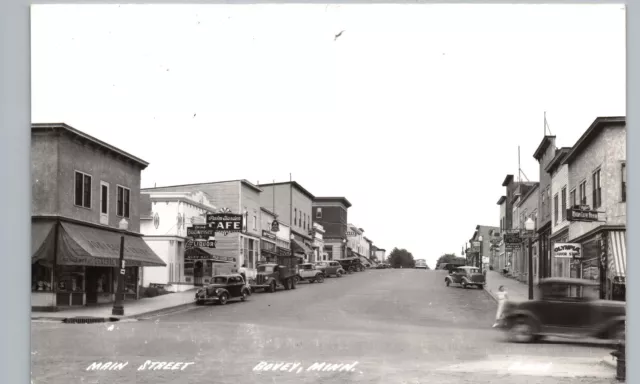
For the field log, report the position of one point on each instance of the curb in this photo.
(130, 318)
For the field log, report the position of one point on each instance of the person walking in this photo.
(243, 272)
(502, 299)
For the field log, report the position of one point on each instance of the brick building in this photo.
(544, 154)
(597, 217)
(332, 214)
(82, 189)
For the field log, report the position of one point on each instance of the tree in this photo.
(401, 258)
(450, 258)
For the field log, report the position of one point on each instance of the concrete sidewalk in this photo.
(516, 290)
(132, 309)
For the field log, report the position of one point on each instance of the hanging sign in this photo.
(512, 239)
(200, 231)
(225, 222)
(275, 226)
(567, 250)
(582, 213)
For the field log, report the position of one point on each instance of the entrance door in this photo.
(198, 270)
(93, 274)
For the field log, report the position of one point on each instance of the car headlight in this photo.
(218, 291)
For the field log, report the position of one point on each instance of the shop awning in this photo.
(88, 246)
(42, 242)
(198, 253)
(299, 247)
(617, 254)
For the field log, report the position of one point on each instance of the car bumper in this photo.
(502, 324)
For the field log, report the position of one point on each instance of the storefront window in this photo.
(131, 280)
(41, 277)
(70, 279)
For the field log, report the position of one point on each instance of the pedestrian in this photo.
(502, 299)
(243, 272)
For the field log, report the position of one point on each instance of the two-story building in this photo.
(597, 200)
(332, 214)
(318, 244)
(560, 188)
(292, 205)
(234, 196)
(85, 198)
(272, 243)
(545, 152)
(527, 208)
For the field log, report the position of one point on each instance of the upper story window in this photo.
(295, 216)
(255, 222)
(563, 201)
(572, 197)
(124, 202)
(318, 213)
(596, 190)
(555, 208)
(582, 193)
(624, 181)
(82, 190)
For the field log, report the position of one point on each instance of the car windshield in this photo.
(306, 266)
(321, 264)
(564, 290)
(265, 268)
(219, 280)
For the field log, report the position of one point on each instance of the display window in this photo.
(41, 278)
(70, 279)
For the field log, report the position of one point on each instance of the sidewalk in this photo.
(132, 309)
(516, 290)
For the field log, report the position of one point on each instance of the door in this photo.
(198, 271)
(93, 274)
(563, 312)
(235, 286)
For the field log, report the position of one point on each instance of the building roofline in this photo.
(243, 181)
(592, 132)
(44, 127)
(507, 180)
(529, 193)
(544, 144)
(294, 183)
(268, 211)
(557, 159)
(329, 199)
(501, 200)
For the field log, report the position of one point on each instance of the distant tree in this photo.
(401, 258)
(450, 258)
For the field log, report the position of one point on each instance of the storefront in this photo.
(301, 249)
(617, 265)
(201, 264)
(75, 264)
(561, 261)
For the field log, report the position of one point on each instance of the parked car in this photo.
(330, 268)
(565, 307)
(223, 288)
(466, 276)
(309, 272)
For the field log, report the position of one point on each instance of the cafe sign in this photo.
(567, 251)
(582, 213)
(225, 222)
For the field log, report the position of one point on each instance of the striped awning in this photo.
(617, 254)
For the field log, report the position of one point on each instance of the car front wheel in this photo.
(223, 299)
(464, 285)
(244, 296)
(521, 331)
(320, 279)
(272, 287)
(447, 282)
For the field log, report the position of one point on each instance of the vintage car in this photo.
(565, 307)
(222, 288)
(466, 276)
(309, 272)
(283, 274)
(351, 264)
(330, 268)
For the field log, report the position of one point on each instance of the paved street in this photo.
(401, 326)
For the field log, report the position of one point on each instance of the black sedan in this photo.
(222, 289)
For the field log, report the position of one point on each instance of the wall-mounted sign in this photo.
(283, 251)
(275, 226)
(512, 239)
(210, 257)
(268, 235)
(200, 231)
(567, 251)
(225, 222)
(582, 213)
(200, 244)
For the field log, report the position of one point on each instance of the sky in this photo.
(414, 113)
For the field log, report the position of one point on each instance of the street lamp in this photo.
(480, 252)
(118, 308)
(530, 225)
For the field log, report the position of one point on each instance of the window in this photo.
(596, 190)
(582, 191)
(83, 190)
(304, 224)
(295, 216)
(104, 198)
(123, 203)
(255, 222)
(555, 209)
(572, 197)
(549, 200)
(624, 181)
(563, 200)
(319, 213)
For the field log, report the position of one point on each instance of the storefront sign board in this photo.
(567, 251)
(582, 214)
(225, 222)
(268, 235)
(200, 231)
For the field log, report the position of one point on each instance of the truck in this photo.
(280, 273)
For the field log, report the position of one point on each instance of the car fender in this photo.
(220, 291)
(448, 278)
(613, 322)
(466, 280)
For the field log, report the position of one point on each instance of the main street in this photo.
(400, 326)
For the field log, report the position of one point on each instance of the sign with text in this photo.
(582, 213)
(475, 247)
(268, 235)
(567, 251)
(200, 231)
(512, 239)
(200, 244)
(210, 257)
(225, 222)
